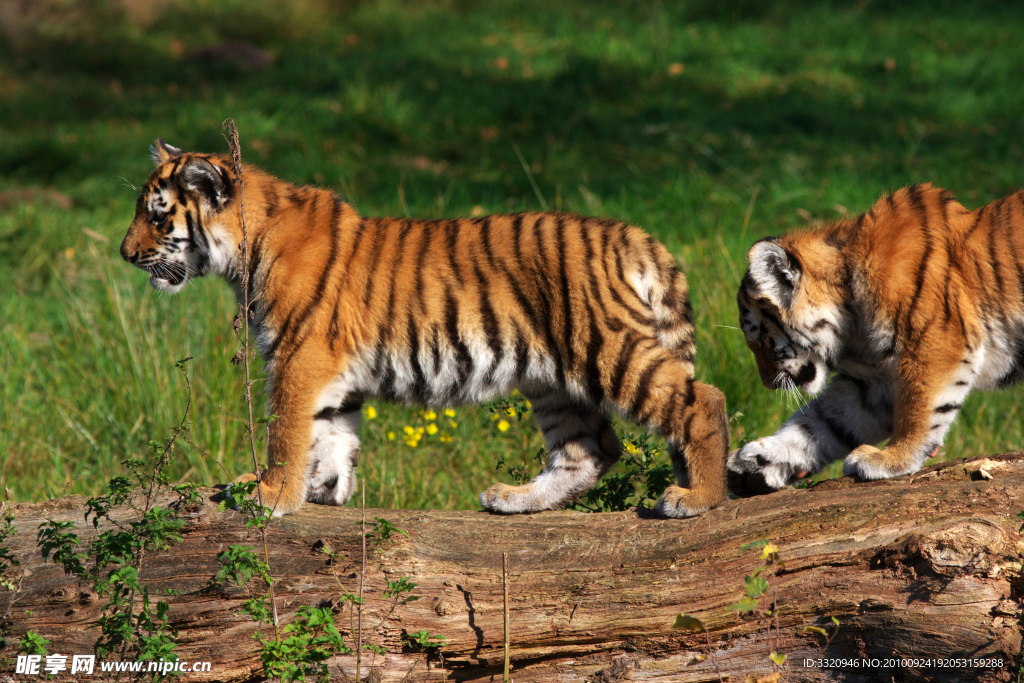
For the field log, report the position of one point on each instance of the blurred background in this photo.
(710, 124)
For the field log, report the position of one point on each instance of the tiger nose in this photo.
(128, 254)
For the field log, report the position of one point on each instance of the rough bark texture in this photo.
(922, 567)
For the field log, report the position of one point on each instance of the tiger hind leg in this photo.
(663, 395)
(333, 455)
(698, 443)
(582, 446)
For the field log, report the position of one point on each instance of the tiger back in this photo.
(584, 316)
(892, 318)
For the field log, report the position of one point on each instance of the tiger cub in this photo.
(584, 316)
(911, 305)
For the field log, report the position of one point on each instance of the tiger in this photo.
(890, 319)
(586, 317)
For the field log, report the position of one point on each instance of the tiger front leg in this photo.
(925, 409)
(306, 438)
(848, 414)
(283, 482)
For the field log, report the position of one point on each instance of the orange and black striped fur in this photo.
(583, 315)
(911, 305)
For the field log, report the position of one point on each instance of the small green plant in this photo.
(424, 641)
(518, 472)
(397, 589)
(637, 482)
(309, 641)
(757, 587)
(7, 559)
(382, 532)
(33, 644)
(240, 564)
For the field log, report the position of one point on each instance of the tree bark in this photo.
(919, 568)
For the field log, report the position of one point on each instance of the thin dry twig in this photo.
(506, 678)
(362, 574)
(231, 135)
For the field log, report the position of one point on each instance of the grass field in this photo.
(709, 124)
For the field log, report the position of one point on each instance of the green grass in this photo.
(709, 124)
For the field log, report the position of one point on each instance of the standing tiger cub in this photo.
(912, 305)
(583, 315)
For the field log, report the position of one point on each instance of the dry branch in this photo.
(920, 567)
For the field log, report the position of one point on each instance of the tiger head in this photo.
(180, 230)
(791, 312)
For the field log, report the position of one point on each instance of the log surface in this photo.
(919, 568)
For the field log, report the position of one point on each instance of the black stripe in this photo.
(630, 344)
(489, 322)
(538, 240)
(485, 238)
(517, 236)
(419, 381)
(463, 358)
(594, 344)
(390, 314)
(371, 266)
(197, 235)
(567, 322)
(562, 443)
(948, 408)
(821, 324)
(992, 253)
(452, 231)
(270, 200)
(643, 388)
(351, 404)
(977, 221)
(521, 350)
(839, 431)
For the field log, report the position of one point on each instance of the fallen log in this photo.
(922, 573)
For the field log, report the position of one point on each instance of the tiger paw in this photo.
(754, 470)
(281, 500)
(868, 463)
(506, 499)
(682, 502)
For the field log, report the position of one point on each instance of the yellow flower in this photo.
(503, 426)
(409, 430)
(371, 412)
(631, 447)
(510, 411)
(445, 438)
(429, 416)
(431, 429)
(419, 432)
(391, 436)
(449, 412)
(453, 423)
(494, 417)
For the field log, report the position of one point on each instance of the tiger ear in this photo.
(160, 152)
(202, 177)
(775, 272)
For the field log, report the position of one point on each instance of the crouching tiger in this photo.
(584, 316)
(912, 305)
